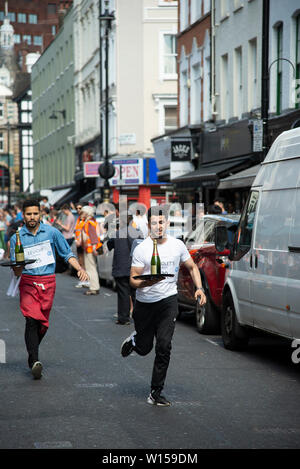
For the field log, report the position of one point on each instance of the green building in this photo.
(53, 112)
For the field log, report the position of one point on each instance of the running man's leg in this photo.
(165, 325)
(32, 339)
(144, 323)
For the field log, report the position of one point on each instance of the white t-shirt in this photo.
(172, 252)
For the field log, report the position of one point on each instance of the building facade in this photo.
(179, 152)
(53, 115)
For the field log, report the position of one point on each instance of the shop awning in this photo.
(164, 175)
(56, 196)
(241, 179)
(212, 172)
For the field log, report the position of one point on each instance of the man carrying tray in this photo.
(37, 285)
(156, 300)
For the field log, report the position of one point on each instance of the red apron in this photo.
(36, 296)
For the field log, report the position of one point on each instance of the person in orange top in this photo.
(90, 241)
(79, 248)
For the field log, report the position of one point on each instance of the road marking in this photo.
(213, 342)
(96, 385)
(53, 444)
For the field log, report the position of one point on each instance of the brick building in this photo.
(35, 24)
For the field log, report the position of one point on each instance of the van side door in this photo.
(242, 269)
(293, 279)
(270, 261)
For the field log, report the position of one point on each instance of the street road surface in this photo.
(91, 397)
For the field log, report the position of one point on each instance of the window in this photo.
(170, 54)
(37, 40)
(184, 14)
(17, 38)
(269, 233)
(21, 17)
(238, 89)
(32, 19)
(279, 32)
(170, 118)
(224, 84)
(27, 158)
(51, 9)
(12, 17)
(195, 93)
(196, 10)
(53, 30)
(224, 8)
(1, 15)
(27, 39)
(252, 74)
(1, 142)
(1, 110)
(245, 229)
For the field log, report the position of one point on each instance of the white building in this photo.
(238, 36)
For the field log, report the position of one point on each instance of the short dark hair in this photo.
(158, 211)
(65, 207)
(31, 203)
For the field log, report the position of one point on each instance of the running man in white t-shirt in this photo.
(156, 306)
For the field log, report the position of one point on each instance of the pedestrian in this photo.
(37, 284)
(80, 253)
(121, 243)
(156, 306)
(68, 224)
(90, 242)
(219, 202)
(140, 220)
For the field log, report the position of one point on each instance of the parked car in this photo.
(262, 288)
(212, 266)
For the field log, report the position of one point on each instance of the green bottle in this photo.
(19, 251)
(155, 260)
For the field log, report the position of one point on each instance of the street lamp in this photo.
(106, 170)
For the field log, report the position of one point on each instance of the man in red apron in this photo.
(37, 284)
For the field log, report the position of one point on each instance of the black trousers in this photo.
(124, 291)
(156, 320)
(34, 333)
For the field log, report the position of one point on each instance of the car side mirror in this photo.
(221, 238)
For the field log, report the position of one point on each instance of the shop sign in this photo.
(90, 169)
(181, 150)
(257, 135)
(127, 139)
(127, 172)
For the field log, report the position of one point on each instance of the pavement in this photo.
(92, 398)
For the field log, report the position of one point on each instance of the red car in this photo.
(212, 266)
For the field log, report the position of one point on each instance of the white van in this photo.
(262, 289)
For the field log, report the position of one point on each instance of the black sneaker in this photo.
(127, 346)
(156, 398)
(36, 370)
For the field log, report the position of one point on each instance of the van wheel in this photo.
(234, 336)
(207, 317)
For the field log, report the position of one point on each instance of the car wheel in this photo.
(207, 317)
(235, 337)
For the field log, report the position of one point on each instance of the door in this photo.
(293, 278)
(270, 261)
(242, 268)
